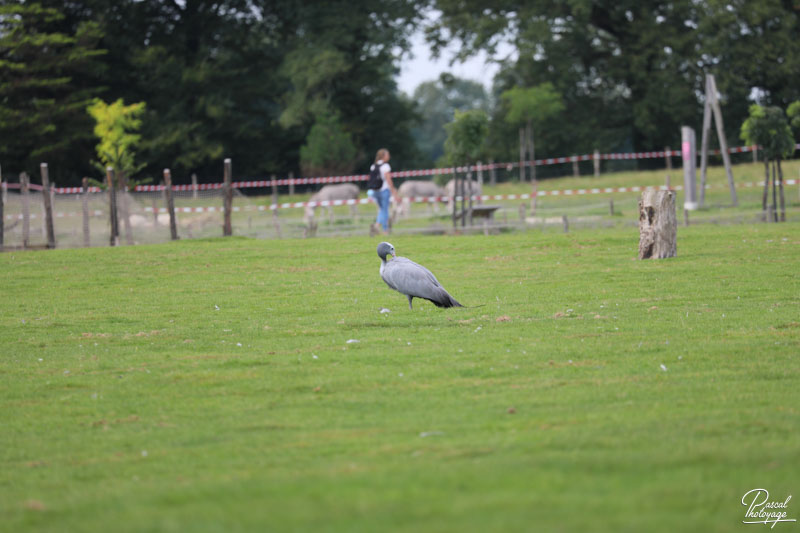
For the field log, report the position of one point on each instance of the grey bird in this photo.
(413, 280)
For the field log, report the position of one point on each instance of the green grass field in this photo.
(209, 385)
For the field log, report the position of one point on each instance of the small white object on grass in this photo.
(663, 367)
(351, 341)
(384, 310)
(216, 307)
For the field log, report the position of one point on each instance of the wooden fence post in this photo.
(277, 223)
(576, 172)
(611, 207)
(2, 204)
(274, 184)
(112, 206)
(85, 206)
(24, 182)
(291, 183)
(173, 226)
(522, 155)
(658, 227)
(565, 222)
(194, 186)
(596, 162)
(469, 191)
(124, 207)
(780, 192)
(492, 173)
(723, 142)
(689, 153)
(227, 192)
(48, 206)
(455, 196)
(668, 160)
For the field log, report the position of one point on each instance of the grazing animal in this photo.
(471, 188)
(330, 193)
(417, 189)
(415, 281)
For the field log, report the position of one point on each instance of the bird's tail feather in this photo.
(445, 300)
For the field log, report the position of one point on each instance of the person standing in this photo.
(383, 195)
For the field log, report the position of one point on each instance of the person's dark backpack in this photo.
(375, 180)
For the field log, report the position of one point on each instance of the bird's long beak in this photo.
(393, 254)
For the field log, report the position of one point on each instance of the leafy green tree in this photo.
(631, 72)
(529, 107)
(244, 79)
(328, 149)
(466, 137)
(43, 93)
(793, 112)
(768, 128)
(341, 58)
(117, 127)
(436, 103)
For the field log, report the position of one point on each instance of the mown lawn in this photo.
(209, 385)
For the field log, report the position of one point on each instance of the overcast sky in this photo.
(422, 68)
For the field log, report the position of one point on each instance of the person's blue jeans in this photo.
(382, 198)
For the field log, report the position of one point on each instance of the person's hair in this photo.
(381, 155)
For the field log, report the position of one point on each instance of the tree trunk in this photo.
(658, 225)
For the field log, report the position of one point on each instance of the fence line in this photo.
(416, 199)
(400, 174)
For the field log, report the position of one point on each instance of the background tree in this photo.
(632, 72)
(44, 89)
(328, 149)
(117, 127)
(529, 107)
(466, 137)
(793, 112)
(768, 128)
(465, 144)
(218, 75)
(436, 103)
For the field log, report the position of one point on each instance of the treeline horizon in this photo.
(310, 88)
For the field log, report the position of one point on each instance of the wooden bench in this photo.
(486, 212)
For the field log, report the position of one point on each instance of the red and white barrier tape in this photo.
(417, 199)
(399, 174)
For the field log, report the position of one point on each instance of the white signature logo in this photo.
(762, 511)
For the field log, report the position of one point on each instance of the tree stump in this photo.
(658, 225)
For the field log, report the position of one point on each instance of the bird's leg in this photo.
(409, 301)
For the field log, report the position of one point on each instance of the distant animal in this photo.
(471, 188)
(415, 281)
(330, 193)
(417, 189)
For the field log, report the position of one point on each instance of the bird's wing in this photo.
(408, 277)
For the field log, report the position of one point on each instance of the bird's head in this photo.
(385, 249)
